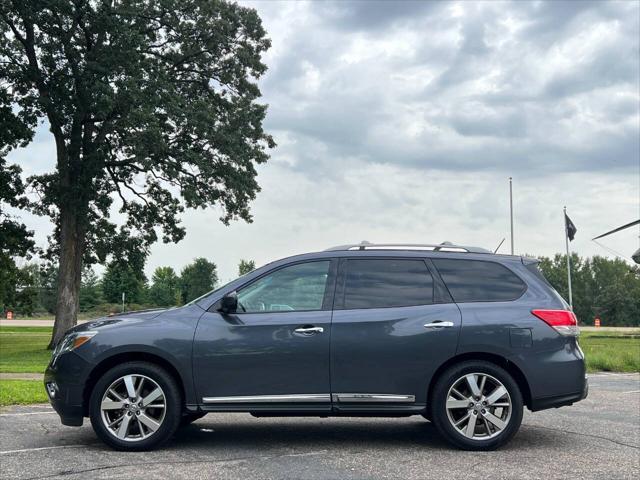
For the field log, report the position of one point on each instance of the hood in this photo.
(133, 316)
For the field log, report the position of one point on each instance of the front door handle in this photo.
(438, 324)
(309, 330)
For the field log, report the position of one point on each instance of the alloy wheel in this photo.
(133, 407)
(478, 406)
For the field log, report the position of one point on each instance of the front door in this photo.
(274, 351)
(389, 333)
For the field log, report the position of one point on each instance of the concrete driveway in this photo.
(596, 438)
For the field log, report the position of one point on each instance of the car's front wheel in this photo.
(476, 405)
(135, 406)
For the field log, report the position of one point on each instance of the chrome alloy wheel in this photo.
(478, 406)
(133, 408)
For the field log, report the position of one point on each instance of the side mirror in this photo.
(229, 303)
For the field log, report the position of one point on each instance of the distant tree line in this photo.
(608, 288)
(603, 287)
(32, 288)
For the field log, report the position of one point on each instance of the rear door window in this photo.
(479, 281)
(383, 283)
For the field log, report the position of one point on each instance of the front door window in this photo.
(299, 287)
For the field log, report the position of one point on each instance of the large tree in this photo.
(197, 278)
(152, 104)
(122, 277)
(164, 288)
(246, 266)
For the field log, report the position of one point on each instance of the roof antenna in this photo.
(499, 245)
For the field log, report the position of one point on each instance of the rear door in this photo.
(393, 325)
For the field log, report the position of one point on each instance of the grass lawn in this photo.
(22, 392)
(24, 350)
(611, 351)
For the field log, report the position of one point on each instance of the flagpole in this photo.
(566, 239)
(511, 210)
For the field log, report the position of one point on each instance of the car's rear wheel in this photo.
(135, 406)
(476, 405)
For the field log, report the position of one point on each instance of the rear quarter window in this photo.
(479, 281)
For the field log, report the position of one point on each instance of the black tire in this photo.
(438, 410)
(189, 418)
(172, 402)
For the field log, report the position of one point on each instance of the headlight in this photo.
(71, 342)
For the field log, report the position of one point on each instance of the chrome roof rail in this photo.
(441, 247)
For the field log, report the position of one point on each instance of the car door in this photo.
(393, 325)
(273, 352)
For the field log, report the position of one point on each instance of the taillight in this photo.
(563, 321)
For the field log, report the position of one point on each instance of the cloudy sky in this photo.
(402, 121)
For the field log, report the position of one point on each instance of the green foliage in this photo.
(122, 277)
(197, 278)
(140, 95)
(15, 239)
(601, 286)
(26, 298)
(90, 290)
(246, 266)
(164, 288)
(20, 294)
(154, 108)
(48, 287)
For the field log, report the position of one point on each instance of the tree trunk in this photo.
(69, 275)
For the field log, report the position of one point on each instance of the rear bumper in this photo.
(557, 401)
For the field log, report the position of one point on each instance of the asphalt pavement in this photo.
(596, 438)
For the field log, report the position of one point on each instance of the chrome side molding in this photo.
(303, 398)
(372, 397)
(315, 398)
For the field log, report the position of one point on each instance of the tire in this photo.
(493, 424)
(148, 425)
(189, 418)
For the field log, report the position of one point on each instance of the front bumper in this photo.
(64, 382)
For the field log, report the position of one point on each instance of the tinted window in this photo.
(297, 287)
(387, 283)
(478, 281)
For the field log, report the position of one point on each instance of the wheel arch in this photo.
(116, 359)
(498, 360)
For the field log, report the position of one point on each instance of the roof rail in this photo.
(441, 247)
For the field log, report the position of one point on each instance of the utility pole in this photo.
(511, 210)
(122, 302)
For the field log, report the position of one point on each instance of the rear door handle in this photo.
(309, 330)
(438, 324)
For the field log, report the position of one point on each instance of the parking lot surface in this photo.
(596, 438)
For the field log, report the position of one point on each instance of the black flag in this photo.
(571, 228)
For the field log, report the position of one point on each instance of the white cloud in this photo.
(401, 121)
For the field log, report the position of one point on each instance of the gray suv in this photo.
(456, 334)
